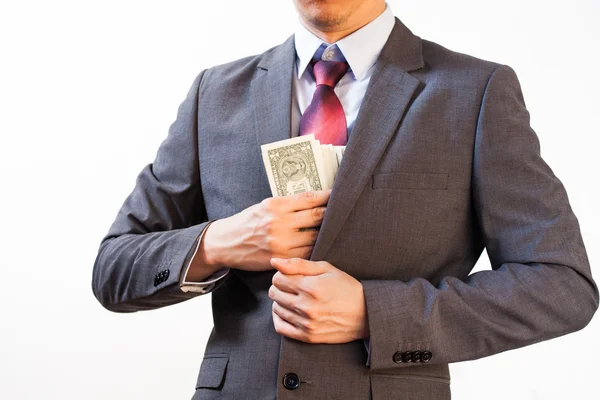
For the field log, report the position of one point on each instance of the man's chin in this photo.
(324, 15)
(326, 21)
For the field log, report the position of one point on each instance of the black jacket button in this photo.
(426, 356)
(161, 277)
(417, 356)
(407, 356)
(397, 357)
(291, 381)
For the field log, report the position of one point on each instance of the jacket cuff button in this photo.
(426, 356)
(397, 357)
(417, 356)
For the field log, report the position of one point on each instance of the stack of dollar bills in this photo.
(301, 164)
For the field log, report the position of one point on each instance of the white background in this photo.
(88, 90)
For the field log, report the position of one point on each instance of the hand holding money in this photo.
(275, 227)
(301, 172)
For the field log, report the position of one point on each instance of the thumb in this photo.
(297, 266)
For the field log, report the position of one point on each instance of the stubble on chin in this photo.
(318, 15)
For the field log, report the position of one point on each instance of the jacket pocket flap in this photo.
(212, 371)
(410, 180)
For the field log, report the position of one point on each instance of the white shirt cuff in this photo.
(208, 283)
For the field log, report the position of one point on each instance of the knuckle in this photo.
(270, 204)
(266, 203)
(309, 313)
(272, 240)
(272, 219)
(268, 228)
(308, 196)
(309, 326)
(307, 288)
(309, 339)
(276, 309)
(316, 213)
(276, 278)
(304, 310)
(269, 242)
(316, 295)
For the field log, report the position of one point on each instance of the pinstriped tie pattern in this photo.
(325, 116)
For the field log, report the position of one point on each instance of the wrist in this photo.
(209, 251)
(203, 263)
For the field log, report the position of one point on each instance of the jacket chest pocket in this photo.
(410, 180)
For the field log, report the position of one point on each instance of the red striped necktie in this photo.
(325, 116)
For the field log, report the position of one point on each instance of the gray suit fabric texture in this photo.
(441, 163)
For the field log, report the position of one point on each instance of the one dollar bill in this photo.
(300, 164)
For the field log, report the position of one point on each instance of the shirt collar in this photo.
(360, 49)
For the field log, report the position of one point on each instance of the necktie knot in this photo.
(329, 73)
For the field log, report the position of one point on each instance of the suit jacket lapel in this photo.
(389, 93)
(272, 93)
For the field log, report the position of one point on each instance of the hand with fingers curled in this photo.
(276, 227)
(315, 302)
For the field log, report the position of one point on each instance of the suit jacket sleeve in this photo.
(540, 285)
(154, 235)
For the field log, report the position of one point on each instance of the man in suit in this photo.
(440, 162)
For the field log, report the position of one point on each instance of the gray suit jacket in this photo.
(441, 163)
